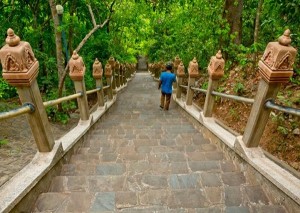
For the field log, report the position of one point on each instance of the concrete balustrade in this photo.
(117, 74)
(180, 74)
(275, 67)
(108, 75)
(20, 69)
(112, 64)
(215, 71)
(175, 68)
(193, 73)
(97, 74)
(77, 71)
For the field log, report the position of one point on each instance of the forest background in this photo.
(161, 30)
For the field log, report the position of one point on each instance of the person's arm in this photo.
(159, 84)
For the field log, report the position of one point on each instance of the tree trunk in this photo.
(71, 28)
(257, 19)
(257, 26)
(233, 14)
(58, 40)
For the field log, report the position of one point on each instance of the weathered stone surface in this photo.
(187, 199)
(233, 178)
(110, 169)
(140, 159)
(184, 181)
(256, 195)
(126, 199)
(104, 201)
(233, 196)
(211, 179)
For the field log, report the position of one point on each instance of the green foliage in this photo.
(3, 142)
(57, 116)
(233, 112)
(6, 91)
(239, 88)
(204, 85)
(159, 29)
(282, 130)
(63, 117)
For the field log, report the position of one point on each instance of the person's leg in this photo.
(168, 100)
(162, 100)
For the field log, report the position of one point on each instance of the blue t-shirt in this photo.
(167, 80)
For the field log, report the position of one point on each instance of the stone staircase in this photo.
(139, 158)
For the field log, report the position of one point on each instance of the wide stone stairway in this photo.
(138, 158)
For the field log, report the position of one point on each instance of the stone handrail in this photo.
(20, 69)
(275, 68)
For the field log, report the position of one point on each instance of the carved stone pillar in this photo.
(77, 71)
(193, 73)
(117, 73)
(20, 69)
(108, 75)
(215, 71)
(180, 75)
(112, 63)
(275, 67)
(97, 74)
(176, 64)
(157, 71)
(121, 75)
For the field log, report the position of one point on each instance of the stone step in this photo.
(158, 162)
(192, 200)
(128, 155)
(147, 145)
(138, 181)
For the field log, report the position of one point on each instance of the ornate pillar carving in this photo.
(117, 71)
(20, 69)
(275, 67)
(108, 75)
(193, 73)
(215, 71)
(112, 63)
(180, 74)
(97, 74)
(77, 71)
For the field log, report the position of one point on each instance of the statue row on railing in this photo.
(20, 69)
(275, 67)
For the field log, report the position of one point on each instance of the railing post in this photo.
(150, 68)
(176, 64)
(180, 74)
(108, 74)
(97, 74)
(121, 75)
(275, 67)
(215, 71)
(112, 63)
(156, 71)
(77, 71)
(117, 70)
(20, 69)
(193, 73)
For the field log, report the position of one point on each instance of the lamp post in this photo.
(60, 11)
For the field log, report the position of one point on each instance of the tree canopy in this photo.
(158, 29)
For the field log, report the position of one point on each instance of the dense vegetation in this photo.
(159, 29)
